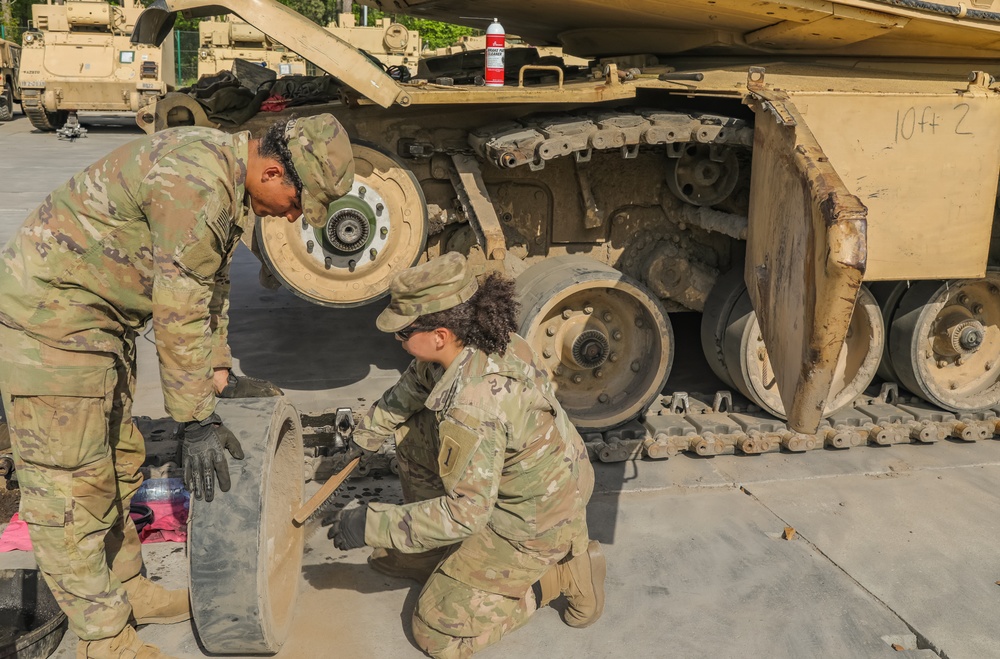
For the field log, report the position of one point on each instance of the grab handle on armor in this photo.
(539, 67)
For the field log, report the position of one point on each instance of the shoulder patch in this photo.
(458, 443)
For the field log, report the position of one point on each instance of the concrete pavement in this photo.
(893, 545)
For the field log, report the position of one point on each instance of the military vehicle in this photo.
(389, 42)
(78, 56)
(223, 40)
(10, 90)
(817, 179)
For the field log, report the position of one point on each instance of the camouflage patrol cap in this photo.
(322, 157)
(439, 284)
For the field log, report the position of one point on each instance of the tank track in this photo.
(716, 424)
(535, 140)
(31, 103)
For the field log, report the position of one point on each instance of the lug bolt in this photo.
(636, 366)
(328, 262)
(384, 231)
(942, 363)
(617, 335)
(588, 310)
(351, 265)
(606, 316)
(546, 353)
(577, 379)
(373, 253)
(566, 313)
(977, 309)
(361, 191)
(603, 398)
(598, 372)
(550, 331)
(963, 298)
(378, 209)
(309, 246)
(638, 322)
(613, 357)
(558, 370)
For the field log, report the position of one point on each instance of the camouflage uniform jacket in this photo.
(146, 232)
(509, 458)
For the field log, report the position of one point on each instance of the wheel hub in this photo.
(967, 336)
(590, 349)
(347, 230)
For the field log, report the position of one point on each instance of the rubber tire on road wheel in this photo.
(6, 105)
(245, 552)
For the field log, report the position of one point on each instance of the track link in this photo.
(31, 103)
(709, 425)
(535, 140)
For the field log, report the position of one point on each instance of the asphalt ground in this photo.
(891, 546)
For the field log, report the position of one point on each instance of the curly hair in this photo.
(274, 144)
(485, 321)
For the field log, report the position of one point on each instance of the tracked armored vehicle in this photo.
(224, 40)
(10, 90)
(78, 56)
(817, 179)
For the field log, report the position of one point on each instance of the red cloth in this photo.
(15, 536)
(169, 525)
(274, 103)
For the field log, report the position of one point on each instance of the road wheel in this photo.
(606, 340)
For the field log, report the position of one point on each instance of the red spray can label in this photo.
(495, 43)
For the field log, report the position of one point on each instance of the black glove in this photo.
(353, 451)
(247, 387)
(203, 458)
(347, 527)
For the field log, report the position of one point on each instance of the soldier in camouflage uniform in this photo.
(146, 233)
(495, 478)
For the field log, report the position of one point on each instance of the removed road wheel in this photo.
(605, 338)
(375, 231)
(750, 370)
(245, 552)
(944, 342)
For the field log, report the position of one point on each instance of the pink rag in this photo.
(169, 525)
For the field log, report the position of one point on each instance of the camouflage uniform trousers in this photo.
(454, 618)
(77, 454)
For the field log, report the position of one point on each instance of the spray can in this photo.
(495, 39)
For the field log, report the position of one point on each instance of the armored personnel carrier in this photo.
(389, 42)
(10, 90)
(817, 179)
(223, 40)
(78, 56)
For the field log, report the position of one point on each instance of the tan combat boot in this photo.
(581, 580)
(418, 567)
(154, 604)
(126, 645)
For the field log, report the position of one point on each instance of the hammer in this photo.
(344, 424)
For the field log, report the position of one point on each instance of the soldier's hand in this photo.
(203, 456)
(247, 387)
(347, 527)
(353, 451)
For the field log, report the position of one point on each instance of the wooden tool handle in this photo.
(316, 500)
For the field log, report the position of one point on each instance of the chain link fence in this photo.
(186, 57)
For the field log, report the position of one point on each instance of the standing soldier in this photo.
(495, 478)
(145, 233)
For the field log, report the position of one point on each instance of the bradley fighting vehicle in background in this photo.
(78, 56)
(817, 179)
(223, 40)
(10, 90)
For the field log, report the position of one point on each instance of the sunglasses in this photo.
(405, 333)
